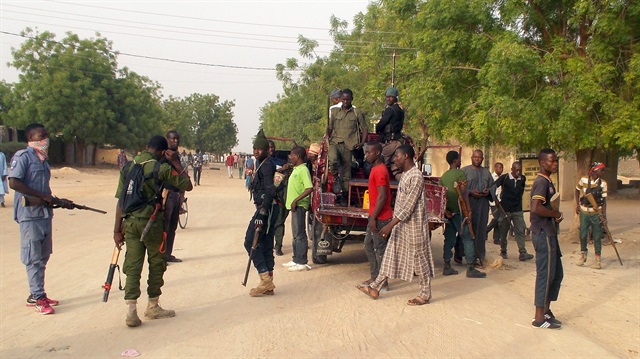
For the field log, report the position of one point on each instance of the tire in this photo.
(184, 216)
(319, 259)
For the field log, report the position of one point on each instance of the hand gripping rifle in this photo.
(603, 221)
(465, 211)
(504, 214)
(256, 235)
(28, 201)
(110, 273)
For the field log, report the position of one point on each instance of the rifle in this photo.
(603, 221)
(256, 235)
(152, 219)
(504, 214)
(465, 210)
(29, 201)
(112, 269)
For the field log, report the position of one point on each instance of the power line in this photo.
(161, 58)
(295, 39)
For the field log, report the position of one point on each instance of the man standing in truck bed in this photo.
(390, 129)
(347, 131)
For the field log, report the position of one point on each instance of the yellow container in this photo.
(365, 200)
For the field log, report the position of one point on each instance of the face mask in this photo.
(41, 147)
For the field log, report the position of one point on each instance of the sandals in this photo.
(374, 294)
(417, 301)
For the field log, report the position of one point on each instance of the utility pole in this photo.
(393, 69)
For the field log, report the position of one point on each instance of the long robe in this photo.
(409, 247)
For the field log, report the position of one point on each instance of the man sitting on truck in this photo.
(390, 129)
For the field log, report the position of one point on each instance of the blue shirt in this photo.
(35, 174)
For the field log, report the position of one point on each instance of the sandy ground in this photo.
(317, 313)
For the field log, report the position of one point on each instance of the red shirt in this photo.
(229, 160)
(380, 177)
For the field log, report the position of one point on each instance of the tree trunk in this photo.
(93, 154)
(79, 158)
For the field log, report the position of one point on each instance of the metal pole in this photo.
(393, 70)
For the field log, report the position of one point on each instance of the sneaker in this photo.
(32, 302)
(474, 273)
(289, 264)
(43, 307)
(174, 259)
(449, 271)
(478, 263)
(504, 255)
(551, 319)
(279, 252)
(525, 256)
(298, 268)
(546, 324)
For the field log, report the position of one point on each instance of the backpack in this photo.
(132, 197)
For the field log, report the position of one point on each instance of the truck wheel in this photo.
(319, 259)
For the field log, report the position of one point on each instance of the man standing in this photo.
(480, 185)
(496, 215)
(299, 187)
(29, 175)
(241, 163)
(122, 159)
(248, 172)
(336, 100)
(172, 202)
(511, 187)
(4, 172)
(347, 131)
(263, 193)
(454, 228)
(197, 167)
(544, 220)
(390, 128)
(409, 248)
(137, 220)
(380, 212)
(589, 218)
(229, 164)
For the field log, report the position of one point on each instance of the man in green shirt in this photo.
(298, 190)
(134, 224)
(454, 227)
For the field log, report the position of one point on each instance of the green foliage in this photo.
(9, 148)
(519, 74)
(202, 121)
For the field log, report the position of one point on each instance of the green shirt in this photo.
(447, 180)
(299, 181)
(165, 174)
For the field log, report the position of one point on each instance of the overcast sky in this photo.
(256, 34)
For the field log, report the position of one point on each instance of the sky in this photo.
(217, 35)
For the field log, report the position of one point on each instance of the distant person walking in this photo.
(122, 159)
(241, 163)
(229, 164)
(4, 172)
(198, 161)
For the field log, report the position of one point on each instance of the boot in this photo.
(472, 272)
(155, 311)
(265, 286)
(597, 264)
(132, 314)
(582, 259)
(448, 270)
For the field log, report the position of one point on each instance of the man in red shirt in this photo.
(380, 212)
(229, 163)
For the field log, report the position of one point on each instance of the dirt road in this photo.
(318, 313)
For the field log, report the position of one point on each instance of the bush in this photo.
(9, 148)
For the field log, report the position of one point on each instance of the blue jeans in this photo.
(299, 232)
(451, 230)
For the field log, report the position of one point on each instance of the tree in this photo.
(204, 121)
(74, 88)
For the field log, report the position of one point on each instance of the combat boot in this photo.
(597, 264)
(155, 311)
(448, 270)
(582, 259)
(132, 314)
(266, 286)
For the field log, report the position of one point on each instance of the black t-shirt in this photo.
(543, 189)
(512, 190)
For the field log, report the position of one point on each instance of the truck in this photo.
(331, 225)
